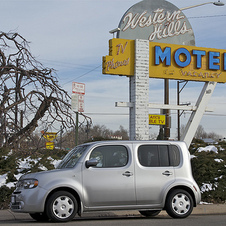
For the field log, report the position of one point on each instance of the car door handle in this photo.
(127, 174)
(167, 173)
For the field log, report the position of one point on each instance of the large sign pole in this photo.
(139, 92)
(196, 115)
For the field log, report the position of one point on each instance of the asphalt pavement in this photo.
(210, 209)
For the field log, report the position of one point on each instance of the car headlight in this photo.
(27, 183)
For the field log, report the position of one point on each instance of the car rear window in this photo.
(159, 155)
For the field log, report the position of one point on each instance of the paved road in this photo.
(201, 215)
(162, 220)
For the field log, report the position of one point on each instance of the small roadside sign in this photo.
(78, 88)
(50, 136)
(157, 119)
(77, 97)
(81, 104)
(74, 101)
(50, 145)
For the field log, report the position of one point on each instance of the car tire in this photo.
(179, 204)
(61, 206)
(150, 213)
(40, 217)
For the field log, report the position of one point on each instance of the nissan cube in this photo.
(148, 176)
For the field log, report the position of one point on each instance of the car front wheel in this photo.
(61, 206)
(179, 204)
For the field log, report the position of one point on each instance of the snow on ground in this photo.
(208, 148)
(206, 187)
(54, 161)
(3, 179)
(25, 163)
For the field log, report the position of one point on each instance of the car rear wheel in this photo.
(150, 213)
(61, 206)
(179, 204)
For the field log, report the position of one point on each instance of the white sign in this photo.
(77, 97)
(157, 21)
(74, 102)
(81, 103)
(77, 102)
(78, 88)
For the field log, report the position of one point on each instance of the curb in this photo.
(210, 209)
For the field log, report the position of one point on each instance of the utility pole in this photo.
(167, 111)
(76, 130)
(16, 100)
(61, 134)
(16, 95)
(178, 111)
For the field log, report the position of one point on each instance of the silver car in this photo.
(148, 176)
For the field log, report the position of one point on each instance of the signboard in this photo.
(50, 145)
(121, 58)
(78, 88)
(80, 103)
(157, 21)
(187, 63)
(77, 97)
(50, 136)
(157, 119)
(74, 101)
(77, 102)
(170, 61)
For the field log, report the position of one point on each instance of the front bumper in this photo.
(28, 200)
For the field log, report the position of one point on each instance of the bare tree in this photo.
(29, 93)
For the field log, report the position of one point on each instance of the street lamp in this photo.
(219, 3)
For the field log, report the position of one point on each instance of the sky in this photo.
(72, 36)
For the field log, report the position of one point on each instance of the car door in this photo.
(154, 173)
(111, 182)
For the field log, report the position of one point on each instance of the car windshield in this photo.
(70, 160)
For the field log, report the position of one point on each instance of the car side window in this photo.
(158, 155)
(110, 156)
(148, 155)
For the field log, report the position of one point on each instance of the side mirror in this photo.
(91, 163)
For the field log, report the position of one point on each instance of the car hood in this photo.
(37, 175)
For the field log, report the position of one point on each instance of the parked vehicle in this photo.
(148, 176)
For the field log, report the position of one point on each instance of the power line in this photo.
(200, 17)
(82, 75)
(107, 114)
(66, 64)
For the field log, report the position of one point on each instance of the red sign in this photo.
(81, 103)
(78, 88)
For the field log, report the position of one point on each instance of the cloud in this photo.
(72, 36)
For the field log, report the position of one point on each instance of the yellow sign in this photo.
(50, 145)
(121, 57)
(168, 61)
(49, 136)
(187, 62)
(157, 119)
